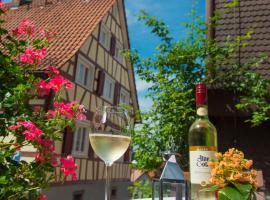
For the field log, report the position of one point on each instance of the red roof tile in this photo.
(72, 20)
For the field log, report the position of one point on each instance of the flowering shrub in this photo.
(232, 176)
(23, 124)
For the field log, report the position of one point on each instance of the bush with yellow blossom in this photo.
(232, 176)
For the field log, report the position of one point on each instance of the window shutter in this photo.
(67, 141)
(113, 43)
(127, 155)
(90, 152)
(116, 93)
(101, 80)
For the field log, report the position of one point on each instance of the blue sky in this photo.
(173, 12)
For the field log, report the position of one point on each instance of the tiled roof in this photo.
(72, 20)
(249, 15)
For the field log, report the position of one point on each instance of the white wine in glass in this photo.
(110, 137)
(109, 147)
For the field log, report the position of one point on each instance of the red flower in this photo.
(32, 56)
(44, 88)
(32, 133)
(3, 7)
(49, 35)
(69, 167)
(55, 83)
(42, 197)
(26, 27)
(52, 71)
(69, 110)
(46, 152)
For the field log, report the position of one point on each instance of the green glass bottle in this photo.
(202, 147)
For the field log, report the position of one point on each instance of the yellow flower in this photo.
(248, 164)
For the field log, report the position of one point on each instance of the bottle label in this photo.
(200, 172)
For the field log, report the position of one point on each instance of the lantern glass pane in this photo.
(173, 191)
(156, 190)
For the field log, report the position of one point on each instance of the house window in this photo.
(108, 91)
(80, 141)
(105, 36)
(117, 52)
(85, 73)
(124, 97)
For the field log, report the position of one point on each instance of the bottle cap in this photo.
(201, 94)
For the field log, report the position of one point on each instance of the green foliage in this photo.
(141, 189)
(20, 180)
(236, 191)
(174, 70)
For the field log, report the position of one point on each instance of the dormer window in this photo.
(105, 36)
(124, 97)
(85, 73)
(118, 52)
(80, 141)
(108, 91)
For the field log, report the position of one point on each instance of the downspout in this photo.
(210, 7)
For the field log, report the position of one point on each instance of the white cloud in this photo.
(145, 103)
(142, 85)
(132, 19)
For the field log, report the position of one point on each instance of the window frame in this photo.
(84, 153)
(90, 74)
(107, 31)
(111, 80)
(127, 95)
(117, 55)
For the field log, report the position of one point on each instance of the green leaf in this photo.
(243, 188)
(3, 180)
(231, 193)
(212, 188)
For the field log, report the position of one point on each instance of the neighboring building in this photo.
(230, 123)
(90, 37)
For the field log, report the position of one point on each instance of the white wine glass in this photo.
(110, 136)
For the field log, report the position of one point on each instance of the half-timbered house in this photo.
(87, 50)
(233, 131)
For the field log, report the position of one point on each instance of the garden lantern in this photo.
(171, 185)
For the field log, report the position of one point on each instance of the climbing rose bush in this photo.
(23, 124)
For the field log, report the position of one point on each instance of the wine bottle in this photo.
(202, 147)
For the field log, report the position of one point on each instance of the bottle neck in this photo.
(202, 112)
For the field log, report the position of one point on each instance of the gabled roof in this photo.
(72, 20)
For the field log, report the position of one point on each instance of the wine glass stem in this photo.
(107, 186)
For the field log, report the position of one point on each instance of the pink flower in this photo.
(52, 71)
(56, 83)
(81, 113)
(26, 27)
(32, 133)
(44, 88)
(68, 84)
(42, 197)
(32, 56)
(49, 35)
(46, 152)
(14, 127)
(69, 110)
(3, 7)
(68, 167)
